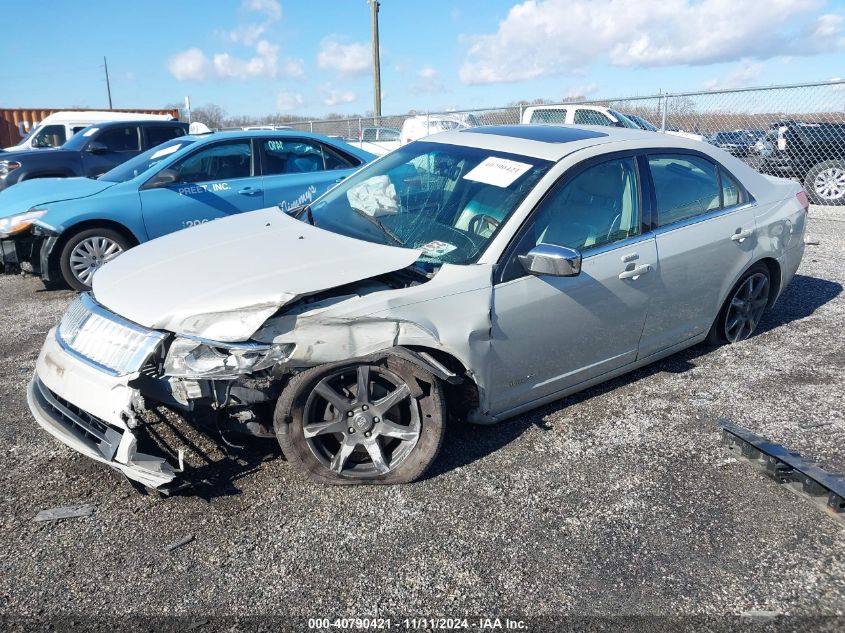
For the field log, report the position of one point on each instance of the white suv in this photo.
(571, 114)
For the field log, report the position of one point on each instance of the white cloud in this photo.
(347, 59)
(264, 64)
(744, 74)
(289, 101)
(552, 37)
(428, 80)
(193, 64)
(188, 65)
(579, 91)
(271, 8)
(293, 67)
(247, 34)
(333, 97)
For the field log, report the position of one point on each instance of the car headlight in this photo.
(8, 165)
(193, 358)
(19, 223)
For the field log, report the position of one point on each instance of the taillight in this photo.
(803, 200)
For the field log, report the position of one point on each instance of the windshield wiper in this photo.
(393, 237)
(297, 212)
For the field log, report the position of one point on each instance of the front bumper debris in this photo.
(21, 252)
(88, 411)
(825, 490)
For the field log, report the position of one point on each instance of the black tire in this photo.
(825, 183)
(720, 332)
(74, 241)
(406, 459)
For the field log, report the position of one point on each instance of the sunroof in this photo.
(543, 133)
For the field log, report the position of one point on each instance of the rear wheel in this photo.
(85, 252)
(377, 421)
(744, 307)
(825, 183)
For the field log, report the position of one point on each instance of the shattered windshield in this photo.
(142, 162)
(447, 200)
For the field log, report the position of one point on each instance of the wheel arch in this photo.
(55, 251)
(774, 276)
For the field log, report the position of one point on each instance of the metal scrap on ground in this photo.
(177, 544)
(66, 512)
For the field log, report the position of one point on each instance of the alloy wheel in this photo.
(90, 254)
(829, 184)
(361, 422)
(746, 307)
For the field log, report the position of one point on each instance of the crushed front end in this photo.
(97, 372)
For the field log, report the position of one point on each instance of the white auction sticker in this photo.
(437, 248)
(499, 172)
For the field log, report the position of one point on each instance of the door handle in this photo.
(249, 191)
(635, 272)
(741, 235)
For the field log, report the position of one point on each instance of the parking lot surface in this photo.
(619, 500)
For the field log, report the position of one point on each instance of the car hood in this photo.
(40, 191)
(223, 279)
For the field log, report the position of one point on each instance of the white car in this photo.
(422, 125)
(477, 274)
(577, 114)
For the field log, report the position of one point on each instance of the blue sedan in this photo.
(65, 229)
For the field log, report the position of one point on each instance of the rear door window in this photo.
(299, 156)
(156, 135)
(685, 186)
(123, 138)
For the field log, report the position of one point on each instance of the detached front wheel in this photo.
(378, 421)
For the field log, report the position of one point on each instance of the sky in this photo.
(313, 57)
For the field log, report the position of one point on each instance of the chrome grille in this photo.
(103, 339)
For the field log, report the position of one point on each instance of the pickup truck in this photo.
(90, 153)
(814, 153)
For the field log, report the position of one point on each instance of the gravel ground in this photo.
(619, 500)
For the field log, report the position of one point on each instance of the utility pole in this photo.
(374, 4)
(108, 85)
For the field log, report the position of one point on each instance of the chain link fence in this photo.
(795, 131)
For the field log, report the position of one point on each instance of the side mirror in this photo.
(164, 178)
(95, 147)
(551, 259)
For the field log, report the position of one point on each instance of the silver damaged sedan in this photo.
(475, 274)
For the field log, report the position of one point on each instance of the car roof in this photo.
(148, 122)
(553, 142)
(263, 134)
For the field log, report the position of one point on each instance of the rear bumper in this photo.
(89, 411)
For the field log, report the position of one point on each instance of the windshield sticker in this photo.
(499, 172)
(91, 131)
(437, 248)
(165, 151)
(375, 196)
